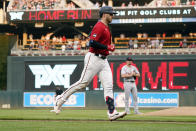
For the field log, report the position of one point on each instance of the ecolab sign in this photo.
(46, 99)
(59, 74)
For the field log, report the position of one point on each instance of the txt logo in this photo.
(59, 75)
(16, 15)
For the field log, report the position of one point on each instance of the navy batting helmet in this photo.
(129, 59)
(106, 10)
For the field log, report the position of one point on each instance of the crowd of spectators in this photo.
(143, 41)
(62, 4)
(57, 43)
(184, 44)
(40, 4)
(49, 42)
(158, 44)
(34, 4)
(160, 3)
(148, 44)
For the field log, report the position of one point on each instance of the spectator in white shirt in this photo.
(63, 48)
(130, 4)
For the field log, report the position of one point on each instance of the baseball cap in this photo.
(107, 10)
(129, 59)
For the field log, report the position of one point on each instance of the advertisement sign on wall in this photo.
(150, 99)
(154, 75)
(46, 99)
(47, 76)
(59, 74)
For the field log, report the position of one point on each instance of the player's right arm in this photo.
(124, 74)
(97, 45)
(127, 75)
(136, 72)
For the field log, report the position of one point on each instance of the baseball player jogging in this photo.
(129, 73)
(95, 62)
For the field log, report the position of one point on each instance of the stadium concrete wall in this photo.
(6, 43)
(20, 77)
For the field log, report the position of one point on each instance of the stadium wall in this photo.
(20, 78)
(6, 43)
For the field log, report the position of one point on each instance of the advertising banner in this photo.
(150, 99)
(46, 99)
(45, 77)
(90, 14)
(155, 75)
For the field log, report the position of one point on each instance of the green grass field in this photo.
(89, 120)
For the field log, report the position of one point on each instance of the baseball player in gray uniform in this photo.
(129, 74)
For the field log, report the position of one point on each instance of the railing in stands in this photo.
(179, 51)
(169, 42)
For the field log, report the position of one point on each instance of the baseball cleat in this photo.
(57, 105)
(128, 112)
(116, 115)
(56, 110)
(137, 113)
(52, 110)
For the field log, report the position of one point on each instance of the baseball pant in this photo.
(93, 65)
(130, 87)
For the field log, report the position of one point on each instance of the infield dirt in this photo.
(179, 111)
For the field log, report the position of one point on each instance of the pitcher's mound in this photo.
(179, 111)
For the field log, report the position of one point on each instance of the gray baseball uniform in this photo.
(130, 87)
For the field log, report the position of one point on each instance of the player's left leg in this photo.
(54, 101)
(105, 76)
(91, 67)
(135, 99)
(127, 91)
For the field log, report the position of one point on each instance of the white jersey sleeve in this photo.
(135, 70)
(123, 70)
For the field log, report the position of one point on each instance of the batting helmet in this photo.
(106, 10)
(129, 59)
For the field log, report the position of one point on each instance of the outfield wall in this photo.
(159, 74)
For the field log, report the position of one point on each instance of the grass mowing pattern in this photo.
(87, 120)
(92, 126)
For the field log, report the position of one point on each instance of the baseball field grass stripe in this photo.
(92, 126)
(81, 114)
(89, 120)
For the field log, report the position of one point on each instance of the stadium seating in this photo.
(34, 4)
(165, 51)
(169, 42)
(62, 4)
